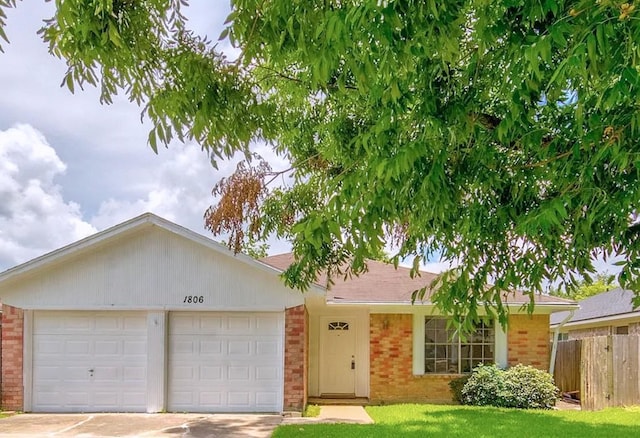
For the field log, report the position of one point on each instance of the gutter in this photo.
(556, 334)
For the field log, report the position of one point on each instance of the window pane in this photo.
(465, 366)
(446, 353)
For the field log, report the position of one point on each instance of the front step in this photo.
(338, 401)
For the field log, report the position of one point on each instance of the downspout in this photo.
(556, 334)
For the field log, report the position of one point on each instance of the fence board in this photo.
(625, 370)
(610, 371)
(595, 391)
(567, 367)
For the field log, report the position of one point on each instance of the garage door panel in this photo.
(266, 373)
(89, 361)
(237, 324)
(108, 348)
(266, 348)
(266, 398)
(226, 366)
(239, 348)
(211, 373)
(77, 347)
(135, 348)
(239, 399)
(211, 398)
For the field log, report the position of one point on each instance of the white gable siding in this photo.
(150, 269)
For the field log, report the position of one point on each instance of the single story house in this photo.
(608, 313)
(148, 316)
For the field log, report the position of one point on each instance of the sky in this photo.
(70, 167)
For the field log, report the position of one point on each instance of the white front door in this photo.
(226, 361)
(338, 356)
(89, 361)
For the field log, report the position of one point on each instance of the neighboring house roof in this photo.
(384, 284)
(604, 305)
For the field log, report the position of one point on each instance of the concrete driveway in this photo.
(139, 425)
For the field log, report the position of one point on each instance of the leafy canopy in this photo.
(588, 287)
(501, 134)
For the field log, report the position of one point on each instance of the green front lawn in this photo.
(399, 421)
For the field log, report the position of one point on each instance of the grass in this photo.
(412, 420)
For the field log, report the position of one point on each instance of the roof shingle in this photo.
(614, 302)
(383, 283)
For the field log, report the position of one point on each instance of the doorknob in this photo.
(91, 372)
(353, 364)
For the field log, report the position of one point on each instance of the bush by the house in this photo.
(522, 387)
(456, 386)
(484, 387)
(527, 387)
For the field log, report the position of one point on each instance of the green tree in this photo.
(588, 287)
(502, 134)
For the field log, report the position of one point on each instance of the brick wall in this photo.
(391, 362)
(528, 340)
(295, 358)
(391, 357)
(12, 343)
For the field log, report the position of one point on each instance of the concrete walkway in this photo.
(334, 414)
(167, 425)
(139, 425)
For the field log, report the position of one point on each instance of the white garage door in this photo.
(226, 362)
(89, 362)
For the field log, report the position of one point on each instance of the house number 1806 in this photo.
(193, 299)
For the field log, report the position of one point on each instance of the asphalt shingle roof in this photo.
(614, 302)
(383, 283)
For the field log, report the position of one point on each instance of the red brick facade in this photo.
(391, 368)
(391, 356)
(12, 345)
(295, 358)
(528, 340)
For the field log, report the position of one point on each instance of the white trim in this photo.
(418, 344)
(27, 360)
(144, 308)
(603, 319)
(157, 361)
(283, 355)
(554, 348)
(501, 345)
(431, 309)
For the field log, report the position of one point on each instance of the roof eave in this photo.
(596, 320)
(548, 307)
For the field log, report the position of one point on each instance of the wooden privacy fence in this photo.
(605, 369)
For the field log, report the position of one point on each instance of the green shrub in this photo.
(484, 387)
(456, 386)
(529, 388)
(521, 387)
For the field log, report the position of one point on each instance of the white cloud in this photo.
(179, 190)
(34, 217)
